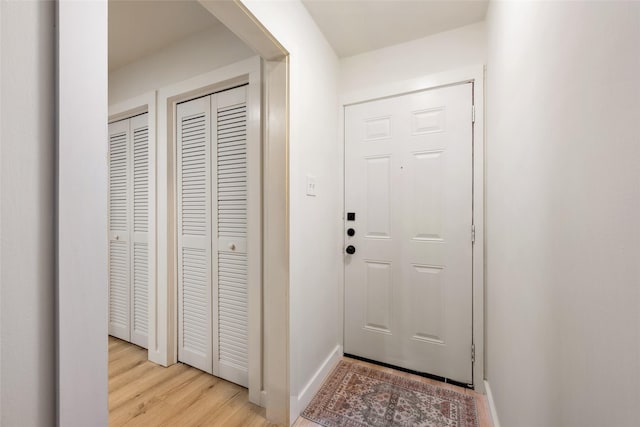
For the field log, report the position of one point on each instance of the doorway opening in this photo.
(182, 53)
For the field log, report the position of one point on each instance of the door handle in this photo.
(351, 249)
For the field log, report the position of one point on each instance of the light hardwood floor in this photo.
(142, 393)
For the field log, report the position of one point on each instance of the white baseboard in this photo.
(492, 405)
(299, 403)
(157, 358)
(263, 399)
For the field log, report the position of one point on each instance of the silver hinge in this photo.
(473, 353)
(473, 233)
(473, 114)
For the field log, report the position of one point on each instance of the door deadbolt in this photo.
(351, 232)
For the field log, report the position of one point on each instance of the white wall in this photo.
(445, 51)
(315, 222)
(194, 55)
(82, 213)
(563, 197)
(27, 191)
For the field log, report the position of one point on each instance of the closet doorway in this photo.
(213, 219)
(134, 88)
(128, 202)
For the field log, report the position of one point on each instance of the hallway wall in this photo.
(563, 196)
(315, 238)
(197, 54)
(446, 51)
(82, 214)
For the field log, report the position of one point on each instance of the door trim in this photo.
(476, 76)
(275, 133)
(81, 274)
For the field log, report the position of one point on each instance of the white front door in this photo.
(408, 201)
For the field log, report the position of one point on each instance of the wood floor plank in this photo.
(201, 415)
(142, 393)
(210, 406)
(148, 399)
(124, 363)
(127, 377)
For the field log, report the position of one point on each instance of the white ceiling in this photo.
(356, 26)
(139, 28)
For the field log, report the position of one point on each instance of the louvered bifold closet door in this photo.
(119, 227)
(140, 256)
(194, 233)
(231, 351)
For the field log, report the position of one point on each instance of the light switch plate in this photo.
(311, 185)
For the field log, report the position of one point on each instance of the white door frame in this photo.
(235, 16)
(473, 75)
(163, 347)
(81, 276)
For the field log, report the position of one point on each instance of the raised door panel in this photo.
(379, 296)
(378, 197)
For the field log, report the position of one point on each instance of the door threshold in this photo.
(421, 374)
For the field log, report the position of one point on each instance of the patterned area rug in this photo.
(358, 396)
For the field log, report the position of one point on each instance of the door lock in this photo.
(351, 232)
(351, 249)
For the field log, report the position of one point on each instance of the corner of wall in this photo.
(299, 403)
(492, 404)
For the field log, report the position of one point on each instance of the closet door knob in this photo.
(117, 237)
(232, 246)
(351, 249)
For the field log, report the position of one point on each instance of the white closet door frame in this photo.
(244, 72)
(145, 103)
